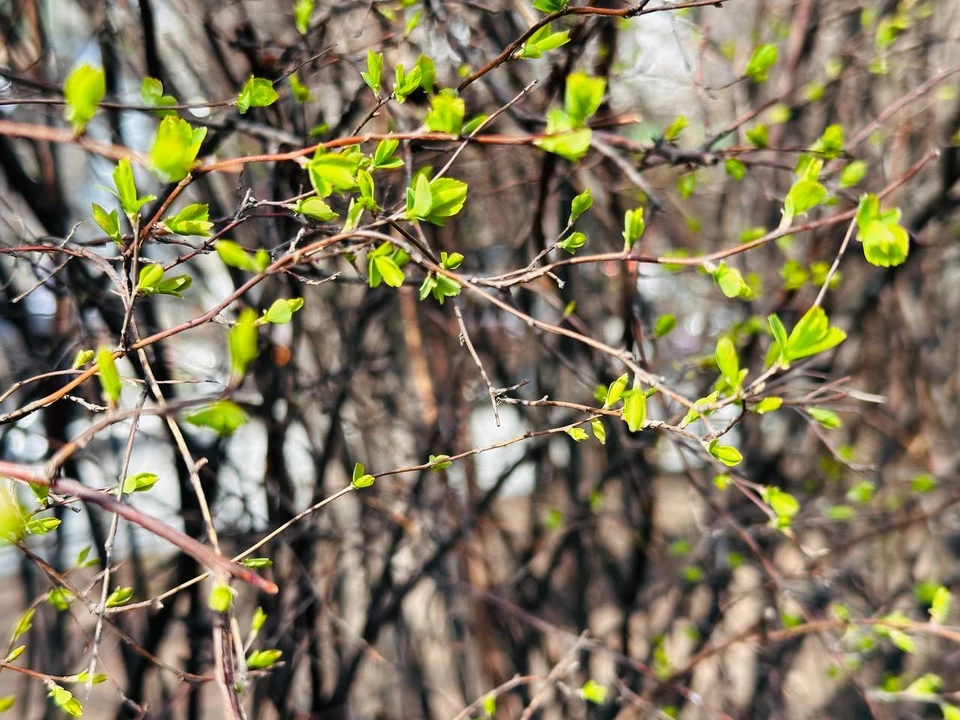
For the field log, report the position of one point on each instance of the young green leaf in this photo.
(573, 242)
(120, 596)
(665, 325)
(361, 479)
(812, 335)
(256, 92)
(141, 482)
(593, 692)
(549, 6)
(109, 377)
(633, 227)
(734, 168)
(940, 607)
(257, 563)
(405, 84)
(853, 174)
(235, 256)
(65, 700)
(243, 343)
(23, 624)
(583, 96)
(672, 132)
(758, 67)
(581, 203)
(440, 462)
(446, 113)
(130, 200)
(192, 220)
(577, 433)
(108, 222)
(149, 279)
(331, 172)
(281, 311)
(83, 90)
(827, 418)
(261, 659)
(727, 454)
(374, 74)
(383, 157)
(542, 41)
(175, 148)
(301, 93)
(599, 431)
(302, 12)
(728, 362)
(151, 93)
(221, 598)
(768, 405)
(562, 138)
(615, 391)
(758, 136)
(635, 410)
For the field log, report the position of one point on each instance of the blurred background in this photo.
(627, 564)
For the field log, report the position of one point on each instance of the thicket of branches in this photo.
(480, 359)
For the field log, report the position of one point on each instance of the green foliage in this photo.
(152, 282)
(175, 148)
(940, 607)
(65, 700)
(633, 228)
(258, 619)
(151, 94)
(223, 417)
(108, 222)
(811, 335)
(242, 341)
(236, 256)
(827, 418)
(830, 144)
(550, 6)
(302, 12)
(727, 454)
(853, 174)
(763, 58)
(221, 598)
(405, 84)
(615, 391)
(783, 504)
(758, 136)
(434, 200)
(573, 242)
(562, 139)
(257, 563)
(731, 282)
(331, 172)
(599, 431)
(542, 41)
(593, 692)
(734, 168)
(885, 242)
(109, 377)
(577, 433)
(23, 624)
(82, 358)
(301, 93)
(361, 479)
(428, 73)
(192, 220)
(581, 203)
(281, 311)
(261, 659)
(256, 92)
(634, 409)
(373, 77)
(446, 113)
(120, 596)
(130, 200)
(42, 526)
(664, 326)
(60, 599)
(728, 362)
(672, 132)
(440, 462)
(583, 96)
(768, 405)
(382, 266)
(7, 702)
(383, 157)
(83, 90)
(141, 482)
